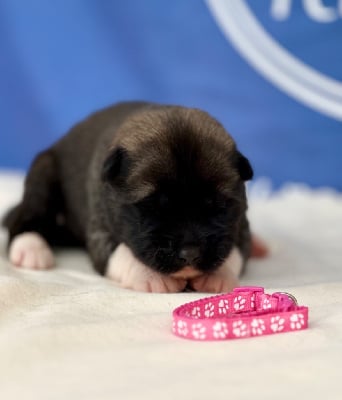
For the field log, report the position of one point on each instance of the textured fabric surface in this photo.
(71, 334)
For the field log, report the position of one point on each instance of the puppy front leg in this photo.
(32, 224)
(124, 268)
(100, 243)
(117, 262)
(30, 250)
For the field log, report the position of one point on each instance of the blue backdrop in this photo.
(270, 71)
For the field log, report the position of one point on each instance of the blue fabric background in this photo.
(61, 60)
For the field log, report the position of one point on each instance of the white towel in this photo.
(71, 334)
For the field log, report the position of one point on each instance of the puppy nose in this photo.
(189, 254)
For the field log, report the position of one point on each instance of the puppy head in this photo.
(179, 182)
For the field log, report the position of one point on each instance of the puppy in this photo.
(155, 193)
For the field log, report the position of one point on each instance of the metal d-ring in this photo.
(290, 296)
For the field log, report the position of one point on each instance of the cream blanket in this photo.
(71, 334)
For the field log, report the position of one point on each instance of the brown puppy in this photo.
(156, 194)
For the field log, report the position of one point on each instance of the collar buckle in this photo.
(286, 301)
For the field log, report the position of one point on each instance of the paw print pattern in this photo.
(223, 306)
(258, 326)
(253, 301)
(266, 304)
(239, 328)
(182, 328)
(209, 310)
(239, 303)
(297, 321)
(196, 312)
(220, 330)
(198, 331)
(277, 324)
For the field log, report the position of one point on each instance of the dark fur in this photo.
(158, 178)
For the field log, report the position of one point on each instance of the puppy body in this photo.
(164, 183)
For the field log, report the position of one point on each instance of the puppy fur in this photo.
(165, 182)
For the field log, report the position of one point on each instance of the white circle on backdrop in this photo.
(273, 61)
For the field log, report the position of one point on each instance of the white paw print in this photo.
(297, 321)
(277, 324)
(198, 331)
(253, 301)
(196, 312)
(209, 310)
(182, 328)
(239, 303)
(223, 306)
(220, 330)
(258, 326)
(266, 304)
(239, 328)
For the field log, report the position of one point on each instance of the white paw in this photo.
(224, 279)
(124, 268)
(30, 250)
(234, 262)
(216, 282)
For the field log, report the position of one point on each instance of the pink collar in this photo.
(245, 312)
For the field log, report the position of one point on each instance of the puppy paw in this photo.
(224, 279)
(214, 283)
(31, 251)
(124, 268)
(156, 284)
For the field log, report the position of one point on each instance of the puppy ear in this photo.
(116, 166)
(244, 167)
